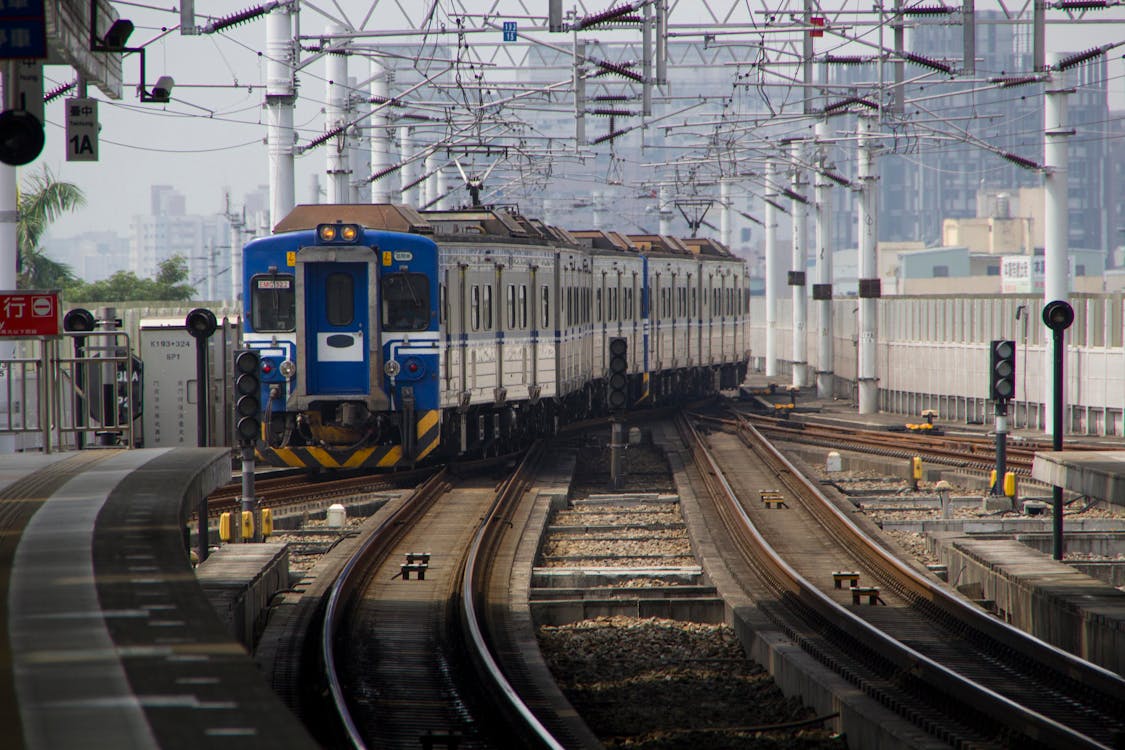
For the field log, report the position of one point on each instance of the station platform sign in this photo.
(29, 314)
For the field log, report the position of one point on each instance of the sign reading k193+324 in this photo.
(29, 314)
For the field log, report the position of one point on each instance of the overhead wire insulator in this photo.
(776, 205)
(613, 14)
(927, 62)
(611, 98)
(393, 101)
(607, 137)
(844, 103)
(838, 178)
(58, 91)
(384, 172)
(847, 59)
(795, 196)
(240, 17)
(928, 10)
(609, 112)
(1010, 81)
(748, 217)
(324, 138)
(1081, 5)
(1078, 58)
(1020, 161)
(621, 70)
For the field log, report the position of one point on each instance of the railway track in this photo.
(415, 640)
(954, 672)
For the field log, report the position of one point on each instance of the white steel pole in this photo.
(359, 157)
(237, 221)
(334, 117)
(442, 190)
(381, 134)
(1056, 221)
(664, 210)
(797, 267)
(822, 290)
(868, 385)
(430, 183)
(772, 263)
(281, 97)
(406, 150)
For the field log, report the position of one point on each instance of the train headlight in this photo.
(392, 368)
(287, 369)
(337, 234)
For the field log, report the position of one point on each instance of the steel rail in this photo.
(908, 661)
(484, 541)
(351, 578)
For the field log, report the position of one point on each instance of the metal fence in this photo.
(78, 390)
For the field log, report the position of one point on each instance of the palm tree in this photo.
(42, 200)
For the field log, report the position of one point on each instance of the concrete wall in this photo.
(932, 352)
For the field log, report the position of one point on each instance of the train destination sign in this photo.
(28, 314)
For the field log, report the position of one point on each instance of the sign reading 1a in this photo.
(81, 129)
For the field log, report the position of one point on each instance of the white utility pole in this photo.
(382, 137)
(664, 210)
(1056, 221)
(281, 95)
(868, 214)
(822, 289)
(359, 158)
(772, 264)
(430, 183)
(335, 116)
(406, 151)
(797, 268)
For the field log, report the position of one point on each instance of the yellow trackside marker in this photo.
(386, 257)
(291, 258)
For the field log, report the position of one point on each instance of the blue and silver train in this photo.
(389, 336)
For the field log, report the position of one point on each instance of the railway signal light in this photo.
(618, 373)
(247, 395)
(1002, 370)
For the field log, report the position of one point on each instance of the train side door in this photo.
(336, 336)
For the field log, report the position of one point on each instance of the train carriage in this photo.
(390, 336)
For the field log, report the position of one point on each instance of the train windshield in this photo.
(273, 304)
(406, 302)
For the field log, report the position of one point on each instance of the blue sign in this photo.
(23, 29)
(509, 31)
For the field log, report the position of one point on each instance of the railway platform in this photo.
(108, 640)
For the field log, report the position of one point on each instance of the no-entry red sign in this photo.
(25, 314)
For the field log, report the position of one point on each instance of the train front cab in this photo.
(367, 359)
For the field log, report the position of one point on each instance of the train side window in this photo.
(444, 305)
(546, 306)
(476, 307)
(523, 305)
(598, 306)
(339, 299)
(694, 303)
(273, 304)
(511, 305)
(486, 307)
(406, 302)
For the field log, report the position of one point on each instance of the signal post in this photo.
(1002, 387)
(248, 428)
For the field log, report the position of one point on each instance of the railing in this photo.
(64, 393)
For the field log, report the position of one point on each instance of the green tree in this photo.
(42, 200)
(125, 286)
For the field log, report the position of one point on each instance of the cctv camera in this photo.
(162, 90)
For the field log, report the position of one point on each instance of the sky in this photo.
(210, 139)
